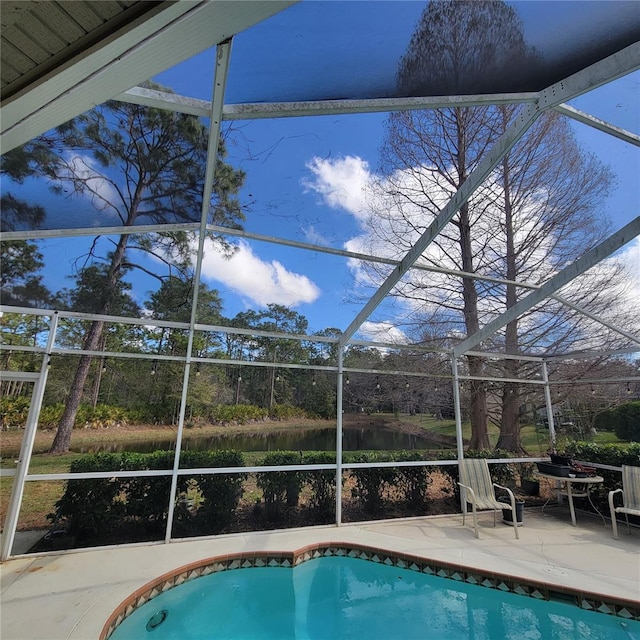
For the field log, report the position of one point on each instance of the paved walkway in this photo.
(70, 596)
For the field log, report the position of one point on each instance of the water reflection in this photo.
(298, 440)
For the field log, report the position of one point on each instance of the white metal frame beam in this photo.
(41, 234)
(262, 110)
(223, 57)
(156, 99)
(562, 278)
(255, 111)
(578, 355)
(26, 449)
(596, 123)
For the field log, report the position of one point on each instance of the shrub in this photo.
(50, 415)
(91, 507)
(322, 483)
(412, 482)
(236, 413)
(147, 498)
(280, 489)
(286, 412)
(100, 416)
(220, 493)
(605, 421)
(612, 454)
(371, 483)
(626, 421)
(14, 411)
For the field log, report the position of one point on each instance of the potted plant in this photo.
(507, 514)
(560, 457)
(558, 454)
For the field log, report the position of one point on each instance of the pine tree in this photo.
(152, 163)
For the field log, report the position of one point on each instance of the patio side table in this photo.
(564, 487)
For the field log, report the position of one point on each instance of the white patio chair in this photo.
(480, 492)
(630, 497)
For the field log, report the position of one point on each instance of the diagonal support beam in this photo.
(164, 100)
(508, 139)
(596, 123)
(582, 264)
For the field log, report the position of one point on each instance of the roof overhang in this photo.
(163, 36)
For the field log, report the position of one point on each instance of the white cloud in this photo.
(630, 257)
(312, 236)
(84, 168)
(341, 183)
(391, 215)
(260, 281)
(383, 332)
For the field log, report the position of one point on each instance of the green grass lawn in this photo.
(533, 442)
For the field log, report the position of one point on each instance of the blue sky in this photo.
(278, 174)
(289, 196)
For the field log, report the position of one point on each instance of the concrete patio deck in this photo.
(71, 595)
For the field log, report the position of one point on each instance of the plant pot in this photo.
(558, 458)
(507, 514)
(530, 487)
(552, 469)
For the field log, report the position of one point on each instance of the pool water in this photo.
(341, 598)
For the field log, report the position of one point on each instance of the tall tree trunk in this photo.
(98, 379)
(62, 439)
(63, 434)
(509, 438)
(479, 433)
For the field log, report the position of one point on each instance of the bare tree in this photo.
(536, 212)
(427, 156)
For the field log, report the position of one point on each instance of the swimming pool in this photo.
(340, 592)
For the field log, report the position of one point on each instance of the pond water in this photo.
(292, 440)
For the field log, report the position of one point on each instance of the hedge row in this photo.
(207, 504)
(615, 455)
